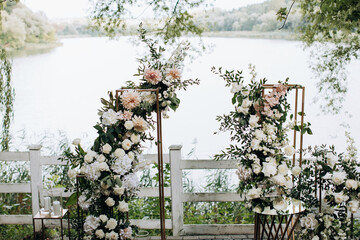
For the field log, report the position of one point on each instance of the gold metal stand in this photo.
(160, 154)
(41, 217)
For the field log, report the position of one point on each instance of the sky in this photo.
(55, 9)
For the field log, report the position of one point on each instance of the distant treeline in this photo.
(257, 17)
(20, 26)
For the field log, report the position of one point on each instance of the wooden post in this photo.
(36, 177)
(176, 190)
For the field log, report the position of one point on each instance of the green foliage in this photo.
(20, 26)
(172, 17)
(7, 95)
(333, 29)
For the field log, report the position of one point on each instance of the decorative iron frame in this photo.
(262, 220)
(160, 153)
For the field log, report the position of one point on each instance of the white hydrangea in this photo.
(131, 182)
(91, 223)
(122, 165)
(84, 202)
(92, 171)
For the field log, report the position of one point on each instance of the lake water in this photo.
(61, 89)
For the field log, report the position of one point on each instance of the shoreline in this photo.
(33, 49)
(40, 48)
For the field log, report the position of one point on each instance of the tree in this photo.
(6, 93)
(172, 16)
(333, 28)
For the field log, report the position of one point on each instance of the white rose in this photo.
(353, 206)
(256, 168)
(123, 206)
(351, 184)
(129, 125)
(126, 144)
(339, 177)
(119, 153)
(76, 141)
(259, 134)
(296, 170)
(328, 221)
(106, 148)
(109, 117)
(101, 158)
(254, 193)
(246, 103)
(72, 173)
(118, 190)
(100, 233)
(289, 150)
(111, 224)
(269, 169)
(280, 204)
(283, 169)
(279, 179)
(112, 235)
(253, 121)
(315, 238)
(131, 155)
(340, 197)
(135, 138)
(103, 167)
(331, 159)
(242, 110)
(103, 218)
(110, 202)
(309, 221)
(255, 144)
(88, 158)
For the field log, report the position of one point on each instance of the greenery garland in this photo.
(110, 167)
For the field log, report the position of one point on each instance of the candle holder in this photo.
(57, 201)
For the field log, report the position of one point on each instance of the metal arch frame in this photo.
(160, 152)
(297, 89)
(290, 221)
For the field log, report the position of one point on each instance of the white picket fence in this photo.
(176, 192)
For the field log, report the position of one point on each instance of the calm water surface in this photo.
(60, 90)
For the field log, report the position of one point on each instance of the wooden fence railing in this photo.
(178, 197)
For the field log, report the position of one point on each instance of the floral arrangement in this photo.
(259, 127)
(337, 176)
(109, 168)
